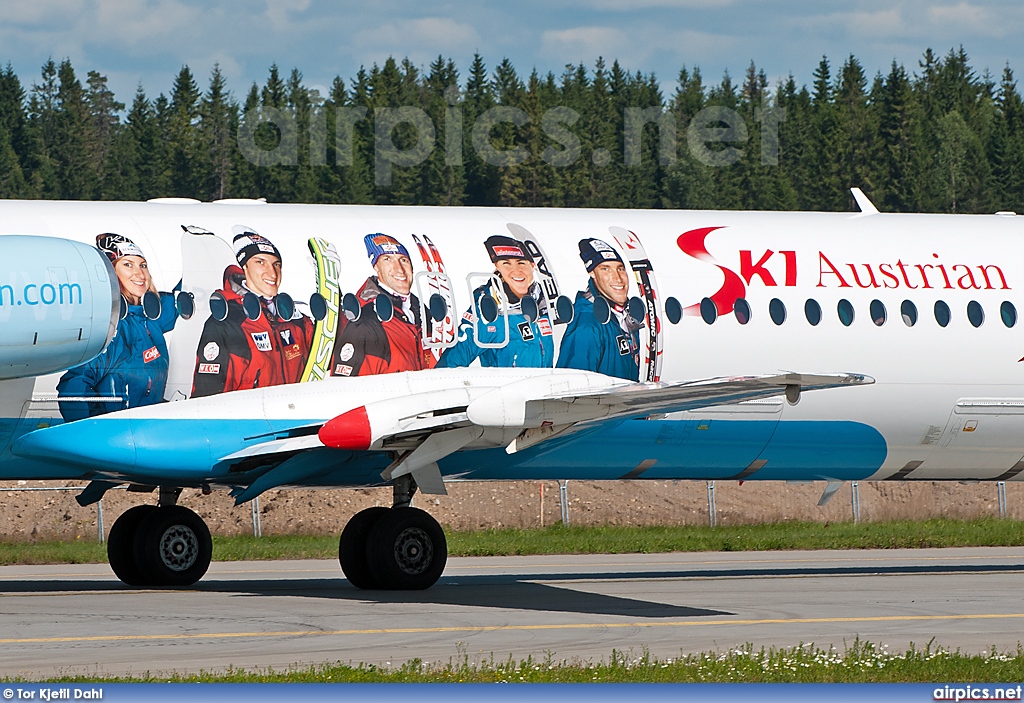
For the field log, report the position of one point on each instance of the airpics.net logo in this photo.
(978, 693)
(407, 136)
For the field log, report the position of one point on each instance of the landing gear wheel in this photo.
(120, 552)
(172, 547)
(406, 550)
(352, 547)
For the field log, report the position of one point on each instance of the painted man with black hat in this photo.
(610, 347)
(237, 353)
(529, 341)
(371, 345)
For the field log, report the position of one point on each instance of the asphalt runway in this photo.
(79, 619)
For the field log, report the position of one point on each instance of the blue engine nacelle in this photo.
(59, 304)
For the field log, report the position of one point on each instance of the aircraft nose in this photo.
(99, 443)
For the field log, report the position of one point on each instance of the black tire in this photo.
(173, 547)
(352, 547)
(406, 550)
(120, 541)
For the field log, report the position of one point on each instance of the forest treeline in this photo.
(938, 138)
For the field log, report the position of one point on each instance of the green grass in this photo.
(989, 532)
(860, 663)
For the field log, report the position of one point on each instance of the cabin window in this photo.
(975, 313)
(878, 314)
(1008, 313)
(942, 315)
(564, 310)
(673, 311)
(741, 308)
(777, 311)
(812, 311)
(909, 313)
(845, 310)
(438, 307)
(708, 310)
(636, 308)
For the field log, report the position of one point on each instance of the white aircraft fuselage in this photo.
(925, 305)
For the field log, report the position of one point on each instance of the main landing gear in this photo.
(164, 545)
(401, 548)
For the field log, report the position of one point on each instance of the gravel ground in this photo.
(41, 515)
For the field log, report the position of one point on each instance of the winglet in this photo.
(863, 202)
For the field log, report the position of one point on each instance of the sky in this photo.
(146, 42)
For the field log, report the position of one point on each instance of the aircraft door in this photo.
(437, 311)
(490, 310)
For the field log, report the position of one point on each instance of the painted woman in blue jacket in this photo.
(609, 347)
(133, 367)
(530, 344)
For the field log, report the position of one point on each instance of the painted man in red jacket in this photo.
(369, 345)
(238, 353)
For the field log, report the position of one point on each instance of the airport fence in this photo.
(563, 502)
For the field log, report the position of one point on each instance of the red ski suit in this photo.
(368, 346)
(239, 353)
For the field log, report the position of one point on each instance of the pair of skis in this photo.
(325, 330)
(437, 336)
(652, 342)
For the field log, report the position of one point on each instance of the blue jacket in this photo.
(133, 367)
(590, 346)
(530, 344)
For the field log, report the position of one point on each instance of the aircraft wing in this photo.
(634, 400)
(536, 409)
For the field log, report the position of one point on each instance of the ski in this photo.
(328, 269)
(544, 275)
(433, 336)
(647, 284)
(444, 285)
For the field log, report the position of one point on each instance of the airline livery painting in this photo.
(245, 347)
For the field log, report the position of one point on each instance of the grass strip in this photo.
(861, 662)
(988, 532)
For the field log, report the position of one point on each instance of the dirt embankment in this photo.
(41, 515)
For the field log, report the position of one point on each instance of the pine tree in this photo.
(217, 127)
(106, 128)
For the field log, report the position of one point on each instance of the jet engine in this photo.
(59, 304)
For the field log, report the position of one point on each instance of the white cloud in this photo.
(40, 11)
(579, 42)
(279, 11)
(135, 22)
(419, 39)
(633, 5)
(587, 43)
(883, 23)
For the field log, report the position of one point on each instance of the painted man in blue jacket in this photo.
(133, 367)
(530, 343)
(609, 347)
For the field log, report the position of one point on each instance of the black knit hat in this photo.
(596, 251)
(500, 247)
(248, 244)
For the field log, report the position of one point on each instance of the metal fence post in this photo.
(99, 521)
(563, 500)
(855, 501)
(257, 527)
(712, 505)
(1001, 494)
